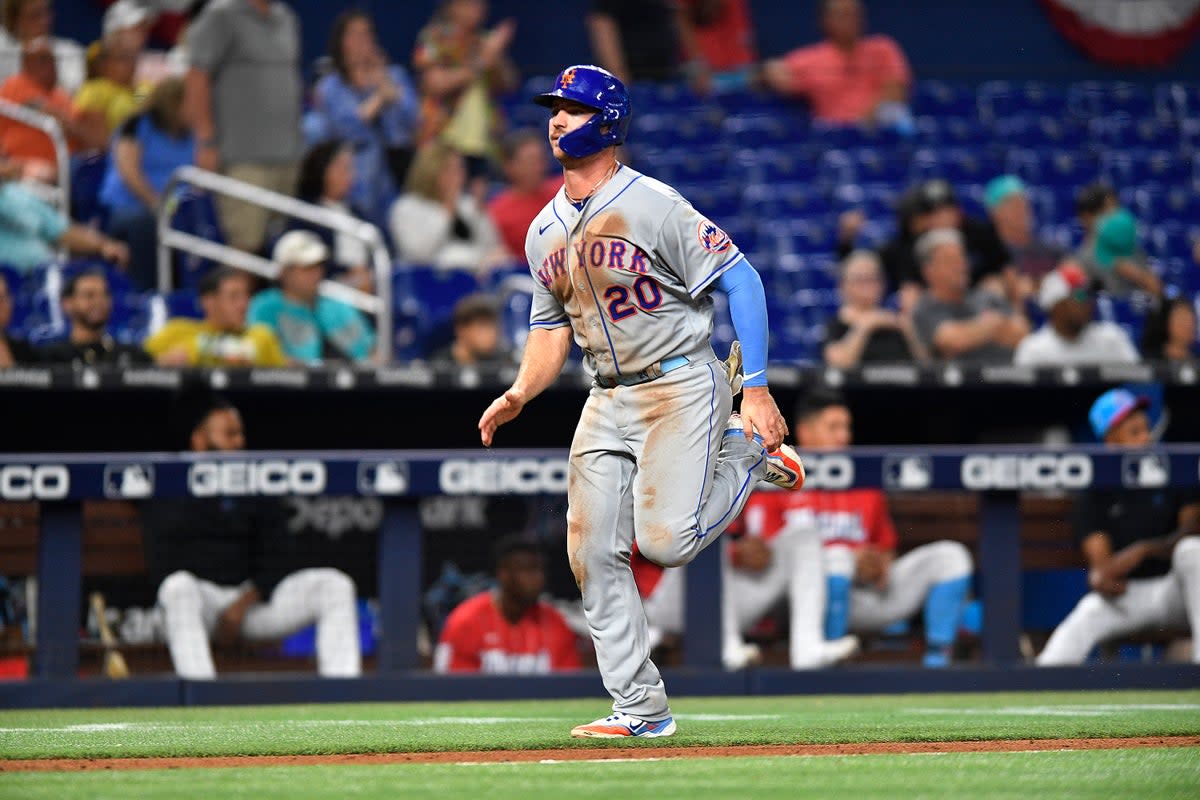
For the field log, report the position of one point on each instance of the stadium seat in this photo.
(943, 98)
(87, 175)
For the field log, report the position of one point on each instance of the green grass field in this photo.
(370, 728)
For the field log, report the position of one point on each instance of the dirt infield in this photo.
(601, 753)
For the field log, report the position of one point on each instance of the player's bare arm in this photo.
(545, 353)
(761, 412)
(1106, 574)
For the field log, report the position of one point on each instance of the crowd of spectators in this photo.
(421, 150)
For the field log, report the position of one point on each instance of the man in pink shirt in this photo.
(848, 78)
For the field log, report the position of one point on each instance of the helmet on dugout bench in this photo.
(595, 88)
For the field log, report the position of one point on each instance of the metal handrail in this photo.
(379, 304)
(60, 195)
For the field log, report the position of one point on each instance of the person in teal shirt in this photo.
(31, 229)
(311, 328)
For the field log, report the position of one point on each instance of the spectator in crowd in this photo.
(243, 96)
(1170, 331)
(26, 20)
(862, 332)
(718, 41)
(462, 68)
(1109, 251)
(477, 340)
(372, 105)
(36, 87)
(326, 178)
(849, 78)
(953, 321)
(834, 554)
(149, 147)
(13, 351)
(213, 558)
(222, 338)
(1031, 258)
(106, 99)
(31, 228)
(1070, 335)
(529, 189)
(87, 303)
(133, 19)
(311, 327)
(508, 630)
(437, 221)
(636, 40)
(925, 207)
(1141, 546)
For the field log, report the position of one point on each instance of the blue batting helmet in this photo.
(595, 88)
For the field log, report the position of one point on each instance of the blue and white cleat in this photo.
(620, 724)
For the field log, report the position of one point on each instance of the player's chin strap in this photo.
(748, 308)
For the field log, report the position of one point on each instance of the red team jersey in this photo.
(852, 518)
(477, 638)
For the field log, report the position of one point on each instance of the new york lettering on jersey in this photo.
(630, 273)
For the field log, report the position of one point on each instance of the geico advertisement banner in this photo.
(271, 477)
(30, 482)
(516, 476)
(1037, 471)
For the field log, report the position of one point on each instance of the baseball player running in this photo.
(1142, 547)
(626, 266)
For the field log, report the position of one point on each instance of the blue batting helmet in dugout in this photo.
(1112, 407)
(595, 88)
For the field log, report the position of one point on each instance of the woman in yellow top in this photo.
(107, 97)
(222, 338)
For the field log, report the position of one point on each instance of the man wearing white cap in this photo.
(311, 328)
(1070, 335)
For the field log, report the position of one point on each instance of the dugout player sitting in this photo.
(1141, 546)
(834, 554)
(214, 559)
(508, 629)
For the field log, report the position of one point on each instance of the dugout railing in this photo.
(61, 482)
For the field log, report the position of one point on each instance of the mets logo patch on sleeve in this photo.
(712, 238)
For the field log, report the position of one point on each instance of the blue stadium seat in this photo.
(1129, 167)
(755, 130)
(1039, 130)
(1053, 167)
(1000, 99)
(183, 303)
(196, 214)
(1099, 98)
(87, 175)
(943, 98)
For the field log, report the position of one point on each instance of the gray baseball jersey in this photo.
(630, 274)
